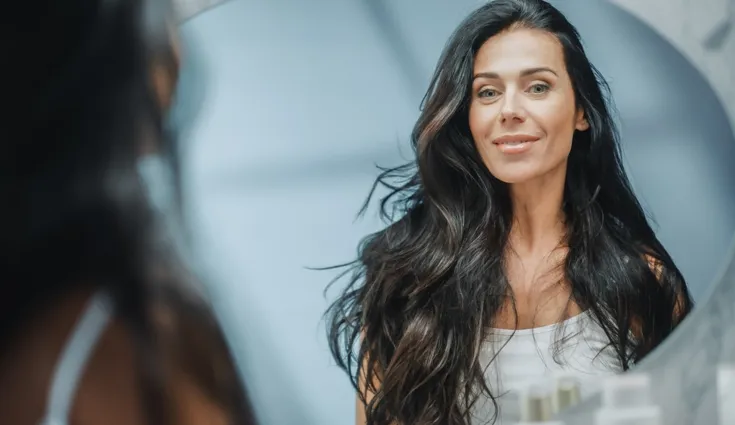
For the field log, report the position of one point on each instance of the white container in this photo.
(726, 394)
(647, 415)
(567, 392)
(626, 391)
(537, 404)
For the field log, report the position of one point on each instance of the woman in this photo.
(521, 249)
(97, 325)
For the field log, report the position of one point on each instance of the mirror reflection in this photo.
(101, 321)
(545, 232)
(520, 250)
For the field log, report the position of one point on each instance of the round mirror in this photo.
(298, 100)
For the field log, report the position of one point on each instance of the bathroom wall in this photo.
(702, 30)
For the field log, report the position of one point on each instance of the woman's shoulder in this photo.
(192, 358)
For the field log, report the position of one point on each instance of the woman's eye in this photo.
(487, 93)
(539, 88)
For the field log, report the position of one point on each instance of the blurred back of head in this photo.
(90, 82)
(83, 106)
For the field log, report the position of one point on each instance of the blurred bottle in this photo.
(626, 400)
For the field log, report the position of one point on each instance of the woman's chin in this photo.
(514, 176)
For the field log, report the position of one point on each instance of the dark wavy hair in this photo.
(425, 290)
(82, 109)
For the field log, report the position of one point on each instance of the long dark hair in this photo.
(81, 108)
(425, 290)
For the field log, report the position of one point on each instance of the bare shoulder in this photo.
(28, 362)
(109, 391)
(683, 301)
(655, 265)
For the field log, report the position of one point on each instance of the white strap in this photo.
(74, 357)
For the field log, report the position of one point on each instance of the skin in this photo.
(521, 86)
(108, 392)
(507, 98)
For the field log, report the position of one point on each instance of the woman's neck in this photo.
(538, 218)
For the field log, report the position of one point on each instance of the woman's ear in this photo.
(581, 123)
(164, 74)
(165, 71)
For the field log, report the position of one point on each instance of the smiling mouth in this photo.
(515, 139)
(515, 144)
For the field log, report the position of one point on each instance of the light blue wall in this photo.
(297, 101)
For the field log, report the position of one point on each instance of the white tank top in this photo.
(532, 356)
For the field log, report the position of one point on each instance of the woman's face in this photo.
(523, 112)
